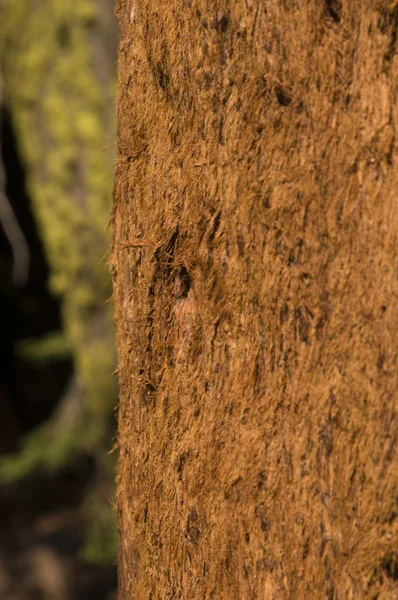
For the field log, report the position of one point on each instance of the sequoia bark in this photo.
(255, 285)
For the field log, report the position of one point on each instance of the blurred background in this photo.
(57, 391)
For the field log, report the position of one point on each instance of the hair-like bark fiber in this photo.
(255, 282)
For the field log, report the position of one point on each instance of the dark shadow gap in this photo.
(29, 390)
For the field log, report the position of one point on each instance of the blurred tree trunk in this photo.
(58, 72)
(255, 284)
(58, 63)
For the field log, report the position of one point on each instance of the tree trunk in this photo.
(255, 283)
(57, 60)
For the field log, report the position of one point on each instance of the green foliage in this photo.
(45, 450)
(101, 544)
(57, 442)
(50, 348)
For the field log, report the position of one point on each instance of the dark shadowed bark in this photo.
(255, 271)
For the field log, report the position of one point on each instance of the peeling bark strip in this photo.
(258, 338)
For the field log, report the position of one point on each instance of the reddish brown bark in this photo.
(255, 272)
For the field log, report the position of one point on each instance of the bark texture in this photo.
(255, 284)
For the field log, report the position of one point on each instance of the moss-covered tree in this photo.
(58, 65)
(255, 270)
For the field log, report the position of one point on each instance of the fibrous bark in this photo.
(255, 272)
